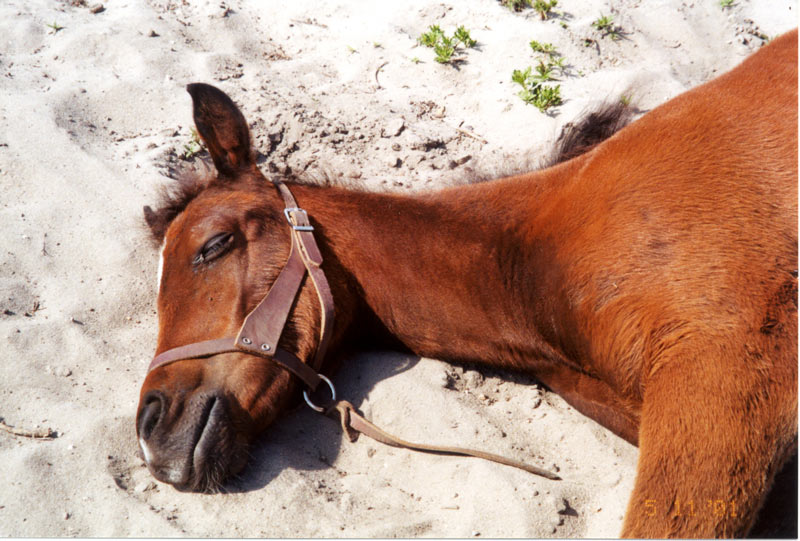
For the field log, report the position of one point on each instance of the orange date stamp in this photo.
(690, 508)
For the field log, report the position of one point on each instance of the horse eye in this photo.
(215, 247)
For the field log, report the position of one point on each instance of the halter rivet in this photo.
(265, 347)
(246, 341)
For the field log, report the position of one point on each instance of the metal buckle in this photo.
(296, 227)
(333, 395)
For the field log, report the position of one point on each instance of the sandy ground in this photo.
(94, 117)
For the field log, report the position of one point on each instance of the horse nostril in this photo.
(150, 414)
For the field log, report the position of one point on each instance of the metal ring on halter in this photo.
(333, 395)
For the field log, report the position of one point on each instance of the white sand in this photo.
(92, 118)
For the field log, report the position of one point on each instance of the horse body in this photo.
(651, 282)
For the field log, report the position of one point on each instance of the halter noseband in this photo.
(263, 326)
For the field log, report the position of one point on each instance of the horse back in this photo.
(682, 229)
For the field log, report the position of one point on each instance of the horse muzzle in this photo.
(190, 445)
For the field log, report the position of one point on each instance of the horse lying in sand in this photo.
(651, 281)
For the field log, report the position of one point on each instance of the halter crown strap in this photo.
(262, 328)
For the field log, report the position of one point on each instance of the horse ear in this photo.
(149, 216)
(223, 128)
(155, 222)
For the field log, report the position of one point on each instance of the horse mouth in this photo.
(209, 459)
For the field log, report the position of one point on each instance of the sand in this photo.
(94, 118)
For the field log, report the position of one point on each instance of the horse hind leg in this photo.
(713, 434)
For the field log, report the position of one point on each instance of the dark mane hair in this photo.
(576, 138)
(593, 128)
(172, 200)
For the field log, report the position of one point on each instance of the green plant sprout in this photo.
(431, 37)
(546, 48)
(516, 5)
(443, 46)
(193, 147)
(534, 92)
(543, 7)
(725, 3)
(55, 27)
(544, 72)
(462, 34)
(554, 60)
(605, 24)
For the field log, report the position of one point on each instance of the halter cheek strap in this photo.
(262, 328)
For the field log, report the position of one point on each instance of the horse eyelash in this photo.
(214, 248)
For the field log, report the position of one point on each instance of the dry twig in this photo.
(470, 134)
(41, 433)
(377, 71)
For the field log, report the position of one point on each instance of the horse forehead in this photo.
(212, 212)
(198, 219)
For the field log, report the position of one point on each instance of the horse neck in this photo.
(446, 273)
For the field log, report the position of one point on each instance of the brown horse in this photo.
(651, 281)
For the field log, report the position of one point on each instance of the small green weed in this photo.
(605, 24)
(546, 48)
(444, 50)
(544, 72)
(558, 63)
(554, 60)
(431, 37)
(55, 27)
(462, 34)
(543, 7)
(725, 3)
(444, 47)
(516, 5)
(193, 147)
(534, 92)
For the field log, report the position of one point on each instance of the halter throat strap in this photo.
(262, 328)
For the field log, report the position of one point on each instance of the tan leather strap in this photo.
(264, 325)
(302, 234)
(207, 348)
(353, 424)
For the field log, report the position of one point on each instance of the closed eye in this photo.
(215, 247)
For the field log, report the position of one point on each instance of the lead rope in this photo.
(353, 423)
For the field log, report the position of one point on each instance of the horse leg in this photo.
(712, 436)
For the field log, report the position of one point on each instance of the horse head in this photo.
(224, 242)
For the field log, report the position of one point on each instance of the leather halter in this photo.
(262, 328)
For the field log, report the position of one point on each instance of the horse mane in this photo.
(575, 139)
(592, 129)
(173, 198)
